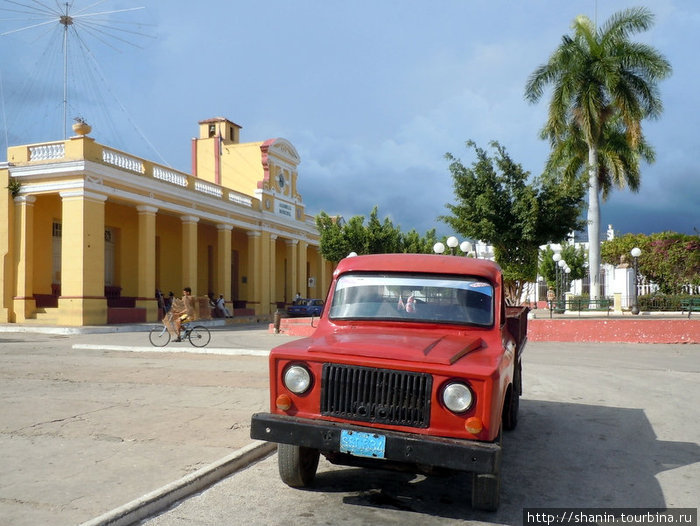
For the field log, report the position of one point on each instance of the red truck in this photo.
(415, 364)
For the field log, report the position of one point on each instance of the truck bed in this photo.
(516, 323)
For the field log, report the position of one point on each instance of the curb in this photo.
(124, 327)
(159, 500)
(225, 351)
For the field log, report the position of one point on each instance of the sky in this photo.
(372, 93)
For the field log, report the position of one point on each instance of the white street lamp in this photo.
(465, 247)
(636, 252)
(559, 263)
(452, 242)
(439, 248)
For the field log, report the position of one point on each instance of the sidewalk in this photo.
(92, 421)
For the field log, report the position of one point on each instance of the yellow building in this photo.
(89, 233)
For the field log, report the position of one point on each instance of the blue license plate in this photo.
(362, 444)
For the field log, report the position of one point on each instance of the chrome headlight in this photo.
(297, 379)
(457, 397)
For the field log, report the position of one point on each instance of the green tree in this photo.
(355, 234)
(339, 238)
(669, 259)
(495, 203)
(413, 243)
(382, 236)
(334, 245)
(604, 85)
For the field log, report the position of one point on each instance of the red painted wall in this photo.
(615, 330)
(637, 330)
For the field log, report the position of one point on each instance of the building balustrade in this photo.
(47, 152)
(122, 161)
(169, 176)
(208, 188)
(57, 151)
(239, 198)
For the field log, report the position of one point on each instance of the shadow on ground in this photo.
(561, 455)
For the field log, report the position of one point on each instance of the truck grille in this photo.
(384, 396)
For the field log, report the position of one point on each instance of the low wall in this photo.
(637, 330)
(597, 330)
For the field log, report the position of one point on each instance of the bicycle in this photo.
(198, 335)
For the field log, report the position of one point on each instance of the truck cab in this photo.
(415, 364)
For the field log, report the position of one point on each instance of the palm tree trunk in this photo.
(593, 224)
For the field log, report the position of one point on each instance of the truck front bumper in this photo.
(410, 448)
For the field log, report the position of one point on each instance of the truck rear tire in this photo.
(297, 465)
(486, 491)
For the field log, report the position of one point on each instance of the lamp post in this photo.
(563, 266)
(439, 248)
(636, 252)
(557, 258)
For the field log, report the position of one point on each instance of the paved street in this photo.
(85, 429)
(600, 426)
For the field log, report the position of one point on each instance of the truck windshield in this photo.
(419, 298)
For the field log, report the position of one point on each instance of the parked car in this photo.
(415, 364)
(305, 307)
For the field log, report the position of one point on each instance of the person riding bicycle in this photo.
(181, 311)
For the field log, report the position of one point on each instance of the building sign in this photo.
(284, 209)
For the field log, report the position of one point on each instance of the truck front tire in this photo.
(297, 465)
(486, 487)
(512, 403)
(486, 491)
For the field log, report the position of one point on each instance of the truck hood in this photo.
(434, 348)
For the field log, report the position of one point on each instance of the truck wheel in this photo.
(297, 464)
(512, 403)
(486, 491)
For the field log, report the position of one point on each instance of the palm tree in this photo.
(604, 85)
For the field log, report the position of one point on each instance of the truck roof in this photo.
(421, 263)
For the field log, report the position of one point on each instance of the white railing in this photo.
(46, 152)
(169, 176)
(122, 161)
(209, 189)
(240, 199)
(647, 288)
